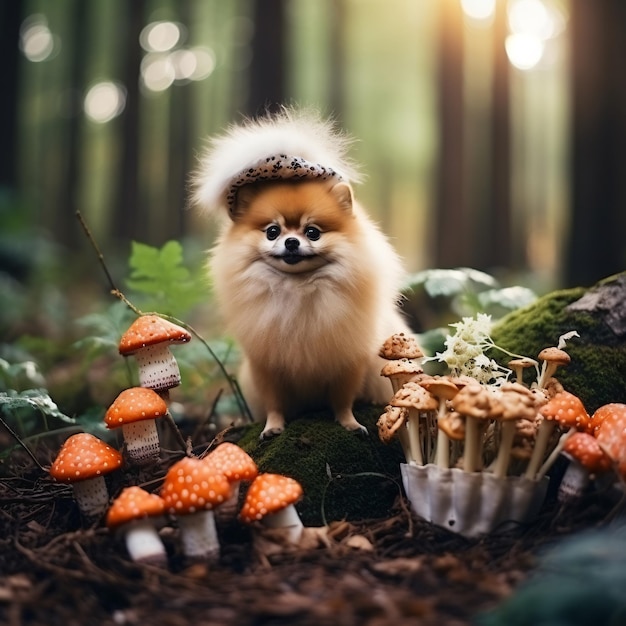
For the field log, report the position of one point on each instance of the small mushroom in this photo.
(394, 422)
(149, 338)
(614, 410)
(519, 365)
(132, 515)
(564, 409)
(191, 490)
(270, 500)
(401, 371)
(587, 459)
(444, 390)
(475, 403)
(83, 461)
(400, 346)
(136, 410)
(552, 358)
(518, 403)
(419, 402)
(236, 465)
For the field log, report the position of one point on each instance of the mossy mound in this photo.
(597, 373)
(344, 475)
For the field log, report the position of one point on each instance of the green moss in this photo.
(364, 473)
(597, 373)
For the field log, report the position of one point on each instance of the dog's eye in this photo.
(312, 233)
(272, 232)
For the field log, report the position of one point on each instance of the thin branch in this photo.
(22, 444)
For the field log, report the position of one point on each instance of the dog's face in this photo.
(294, 227)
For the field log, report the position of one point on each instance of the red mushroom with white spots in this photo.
(135, 411)
(192, 489)
(236, 465)
(83, 461)
(566, 410)
(587, 460)
(270, 500)
(149, 339)
(133, 514)
(611, 433)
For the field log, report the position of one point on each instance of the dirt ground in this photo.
(400, 570)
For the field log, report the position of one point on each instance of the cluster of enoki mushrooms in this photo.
(510, 428)
(197, 493)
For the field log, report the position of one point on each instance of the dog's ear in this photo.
(342, 192)
(243, 199)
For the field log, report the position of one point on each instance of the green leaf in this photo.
(451, 282)
(162, 280)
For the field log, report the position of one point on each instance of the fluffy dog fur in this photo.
(305, 281)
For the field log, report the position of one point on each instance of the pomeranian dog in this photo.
(306, 283)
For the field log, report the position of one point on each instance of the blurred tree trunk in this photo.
(127, 211)
(11, 15)
(452, 245)
(337, 58)
(66, 228)
(268, 66)
(498, 253)
(597, 241)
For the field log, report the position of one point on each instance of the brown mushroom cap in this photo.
(135, 405)
(413, 395)
(440, 386)
(401, 367)
(453, 425)
(522, 362)
(233, 462)
(474, 401)
(516, 402)
(399, 346)
(588, 452)
(269, 493)
(567, 409)
(391, 421)
(193, 485)
(555, 355)
(84, 456)
(134, 503)
(148, 330)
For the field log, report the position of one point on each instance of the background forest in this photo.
(492, 134)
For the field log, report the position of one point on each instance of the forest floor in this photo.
(400, 570)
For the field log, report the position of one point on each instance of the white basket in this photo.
(471, 504)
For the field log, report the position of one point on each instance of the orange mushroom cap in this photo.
(84, 456)
(268, 494)
(148, 330)
(233, 462)
(615, 410)
(193, 485)
(611, 434)
(134, 503)
(567, 409)
(134, 405)
(588, 452)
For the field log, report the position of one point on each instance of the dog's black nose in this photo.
(292, 244)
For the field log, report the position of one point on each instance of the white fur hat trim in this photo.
(275, 167)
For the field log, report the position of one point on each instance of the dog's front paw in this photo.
(270, 433)
(359, 430)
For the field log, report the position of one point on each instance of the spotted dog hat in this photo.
(277, 167)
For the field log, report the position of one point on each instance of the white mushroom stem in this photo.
(544, 433)
(548, 368)
(143, 542)
(553, 456)
(158, 369)
(415, 444)
(199, 535)
(287, 519)
(142, 441)
(501, 464)
(91, 496)
(442, 456)
(472, 444)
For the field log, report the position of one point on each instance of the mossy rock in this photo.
(344, 475)
(597, 373)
